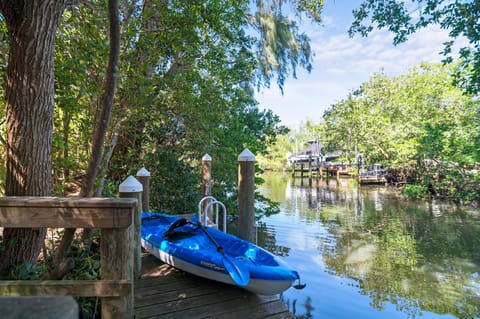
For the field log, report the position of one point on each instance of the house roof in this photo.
(314, 148)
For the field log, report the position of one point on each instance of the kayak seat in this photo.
(265, 258)
(235, 247)
(178, 235)
(171, 234)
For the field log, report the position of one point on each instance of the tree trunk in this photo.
(102, 120)
(29, 94)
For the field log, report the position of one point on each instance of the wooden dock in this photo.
(165, 292)
(372, 180)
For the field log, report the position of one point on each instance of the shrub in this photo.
(414, 191)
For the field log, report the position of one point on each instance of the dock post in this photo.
(246, 191)
(132, 188)
(206, 175)
(116, 263)
(359, 160)
(310, 167)
(143, 176)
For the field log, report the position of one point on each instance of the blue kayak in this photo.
(207, 252)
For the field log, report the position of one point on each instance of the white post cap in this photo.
(130, 185)
(246, 156)
(206, 158)
(143, 172)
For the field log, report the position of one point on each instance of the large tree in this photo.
(186, 77)
(190, 72)
(29, 94)
(417, 122)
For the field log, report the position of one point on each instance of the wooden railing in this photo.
(113, 216)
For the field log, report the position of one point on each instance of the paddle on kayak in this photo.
(236, 270)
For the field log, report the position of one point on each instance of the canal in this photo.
(365, 252)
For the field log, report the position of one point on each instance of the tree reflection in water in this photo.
(421, 258)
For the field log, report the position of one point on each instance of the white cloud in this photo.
(336, 71)
(342, 64)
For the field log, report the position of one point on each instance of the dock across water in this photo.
(165, 292)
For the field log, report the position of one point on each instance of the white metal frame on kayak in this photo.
(209, 208)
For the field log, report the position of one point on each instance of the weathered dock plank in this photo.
(165, 292)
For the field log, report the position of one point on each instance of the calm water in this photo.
(367, 253)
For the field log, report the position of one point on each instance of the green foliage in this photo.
(174, 185)
(450, 180)
(89, 307)
(110, 188)
(414, 191)
(275, 157)
(288, 142)
(27, 271)
(404, 18)
(87, 268)
(281, 47)
(418, 121)
(81, 55)
(188, 91)
(185, 88)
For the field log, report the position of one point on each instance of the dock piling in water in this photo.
(246, 190)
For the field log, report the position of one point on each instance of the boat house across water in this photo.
(309, 156)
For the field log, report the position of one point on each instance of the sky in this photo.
(341, 64)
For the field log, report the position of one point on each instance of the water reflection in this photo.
(366, 252)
